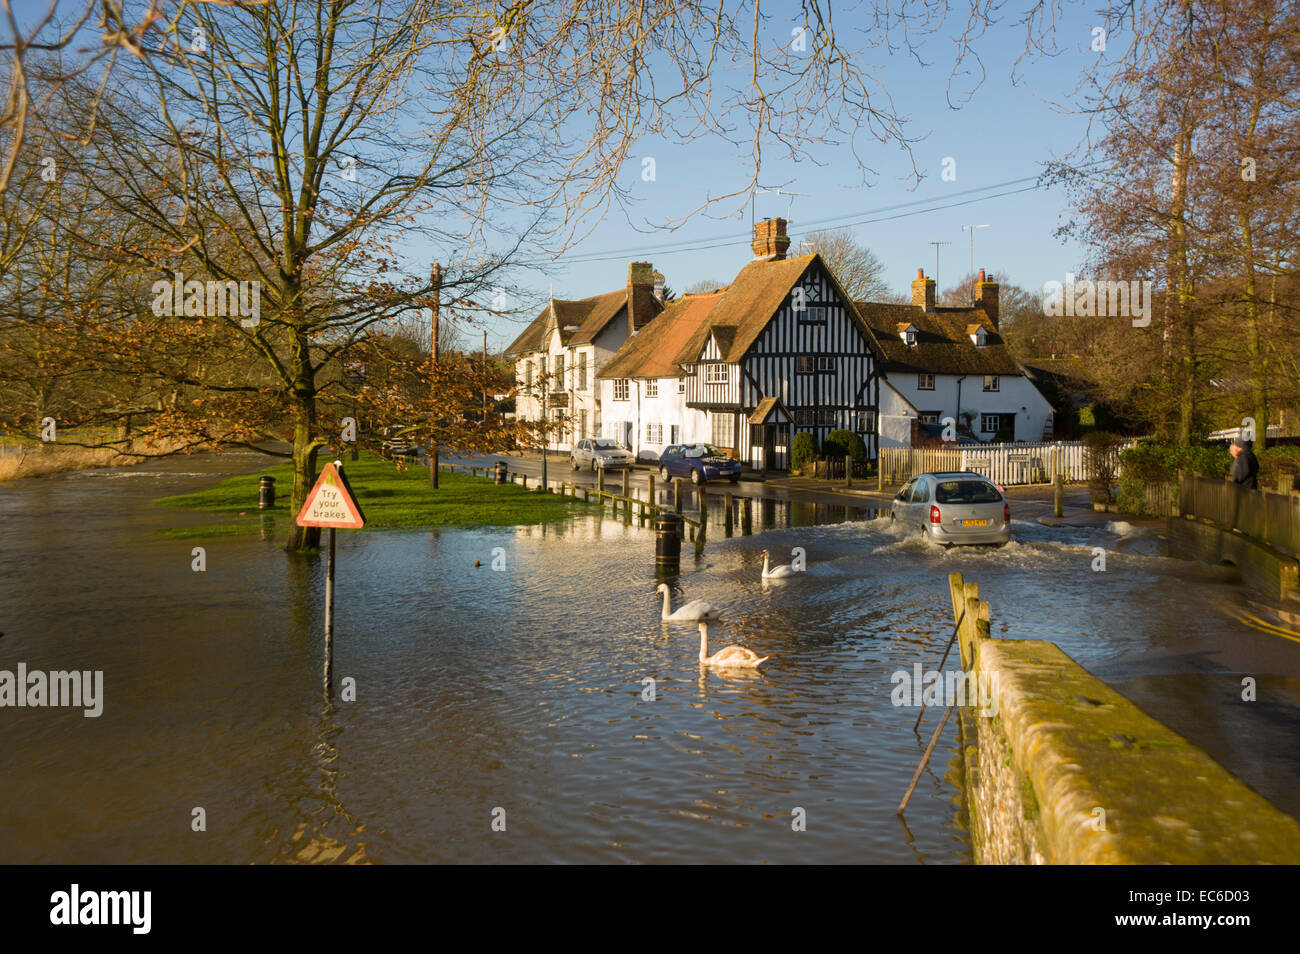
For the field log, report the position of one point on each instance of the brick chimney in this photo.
(986, 297)
(770, 241)
(641, 302)
(923, 292)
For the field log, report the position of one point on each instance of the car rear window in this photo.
(966, 492)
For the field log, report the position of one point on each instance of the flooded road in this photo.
(519, 694)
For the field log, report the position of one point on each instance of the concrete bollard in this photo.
(668, 543)
(728, 519)
(746, 517)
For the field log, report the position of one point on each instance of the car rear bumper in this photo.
(981, 535)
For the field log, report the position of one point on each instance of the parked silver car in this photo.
(954, 508)
(603, 453)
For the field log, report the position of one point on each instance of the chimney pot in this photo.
(770, 241)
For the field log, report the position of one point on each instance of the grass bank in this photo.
(390, 499)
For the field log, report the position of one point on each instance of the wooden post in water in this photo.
(677, 495)
(746, 517)
(880, 470)
(650, 493)
(848, 471)
(704, 509)
(728, 518)
(1058, 495)
(600, 479)
(627, 481)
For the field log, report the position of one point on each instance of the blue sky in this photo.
(1004, 132)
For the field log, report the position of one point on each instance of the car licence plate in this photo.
(974, 523)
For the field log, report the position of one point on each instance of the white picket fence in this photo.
(1006, 464)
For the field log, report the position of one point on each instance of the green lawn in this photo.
(390, 500)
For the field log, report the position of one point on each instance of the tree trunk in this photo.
(305, 444)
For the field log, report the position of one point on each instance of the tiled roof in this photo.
(746, 306)
(652, 351)
(943, 344)
(579, 321)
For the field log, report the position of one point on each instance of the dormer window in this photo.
(910, 337)
(979, 336)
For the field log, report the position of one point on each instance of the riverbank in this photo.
(22, 460)
(391, 499)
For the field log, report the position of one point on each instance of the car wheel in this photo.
(736, 479)
(696, 478)
(593, 465)
(574, 462)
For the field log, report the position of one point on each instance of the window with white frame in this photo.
(804, 364)
(528, 374)
(620, 389)
(865, 422)
(654, 433)
(715, 373)
(582, 371)
(811, 315)
(991, 382)
(925, 382)
(582, 425)
(825, 365)
(681, 385)
(929, 417)
(724, 428)
(652, 388)
(990, 423)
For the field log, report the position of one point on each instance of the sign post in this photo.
(331, 504)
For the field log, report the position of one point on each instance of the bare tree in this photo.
(855, 266)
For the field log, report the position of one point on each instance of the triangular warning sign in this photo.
(331, 502)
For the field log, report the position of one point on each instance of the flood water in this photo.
(519, 694)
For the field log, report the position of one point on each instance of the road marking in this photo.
(1256, 623)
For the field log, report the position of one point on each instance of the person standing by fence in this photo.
(1245, 466)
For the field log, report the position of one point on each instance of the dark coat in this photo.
(1245, 468)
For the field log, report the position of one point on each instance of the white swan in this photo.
(689, 613)
(733, 657)
(777, 572)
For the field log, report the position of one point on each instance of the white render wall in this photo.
(1016, 395)
(529, 407)
(667, 409)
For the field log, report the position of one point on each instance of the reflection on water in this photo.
(522, 694)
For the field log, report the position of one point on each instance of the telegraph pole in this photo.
(435, 280)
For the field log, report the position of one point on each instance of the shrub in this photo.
(1275, 462)
(841, 443)
(1154, 462)
(1101, 456)
(802, 451)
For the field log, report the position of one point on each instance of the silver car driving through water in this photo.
(954, 508)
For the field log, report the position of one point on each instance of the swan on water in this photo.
(689, 613)
(777, 572)
(733, 657)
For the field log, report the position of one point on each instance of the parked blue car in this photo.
(700, 462)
